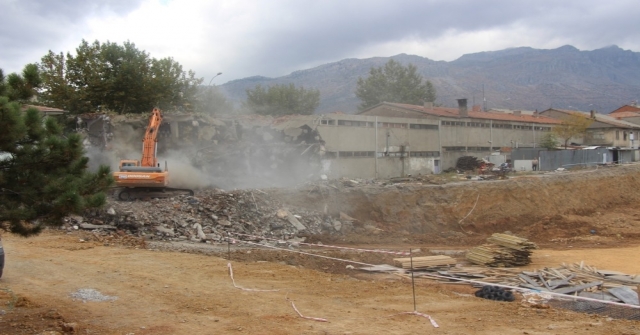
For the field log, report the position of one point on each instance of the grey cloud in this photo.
(29, 28)
(329, 32)
(293, 35)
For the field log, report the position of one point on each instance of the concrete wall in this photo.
(388, 167)
(401, 139)
(491, 136)
(358, 133)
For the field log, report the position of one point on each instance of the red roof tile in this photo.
(626, 108)
(454, 112)
(604, 118)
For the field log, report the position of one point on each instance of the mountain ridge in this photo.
(514, 78)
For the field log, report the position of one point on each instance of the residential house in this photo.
(605, 130)
(629, 113)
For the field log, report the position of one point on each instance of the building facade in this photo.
(394, 140)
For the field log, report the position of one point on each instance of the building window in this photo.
(357, 154)
(392, 125)
(423, 126)
(502, 125)
(453, 123)
(624, 135)
(328, 122)
(617, 134)
(478, 124)
(424, 154)
(478, 149)
(454, 148)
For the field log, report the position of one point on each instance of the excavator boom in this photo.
(150, 140)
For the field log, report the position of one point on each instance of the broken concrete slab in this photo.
(292, 219)
(97, 226)
(166, 231)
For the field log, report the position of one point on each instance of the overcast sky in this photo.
(275, 37)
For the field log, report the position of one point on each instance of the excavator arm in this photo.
(150, 140)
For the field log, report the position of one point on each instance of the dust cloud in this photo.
(262, 158)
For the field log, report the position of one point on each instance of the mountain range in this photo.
(517, 78)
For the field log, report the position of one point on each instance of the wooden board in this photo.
(600, 296)
(571, 289)
(382, 268)
(625, 294)
(625, 278)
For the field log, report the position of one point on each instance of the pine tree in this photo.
(394, 83)
(43, 174)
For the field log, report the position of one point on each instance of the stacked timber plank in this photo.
(425, 262)
(502, 251)
(569, 279)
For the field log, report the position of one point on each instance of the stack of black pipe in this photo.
(495, 293)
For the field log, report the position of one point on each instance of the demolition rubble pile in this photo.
(210, 216)
(503, 251)
(468, 163)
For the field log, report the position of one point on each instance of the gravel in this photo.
(89, 294)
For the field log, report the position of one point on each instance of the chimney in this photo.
(593, 114)
(428, 105)
(462, 108)
(535, 113)
(517, 113)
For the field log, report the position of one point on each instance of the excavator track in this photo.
(144, 193)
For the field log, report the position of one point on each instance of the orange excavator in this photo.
(144, 178)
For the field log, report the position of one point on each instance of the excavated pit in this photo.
(588, 205)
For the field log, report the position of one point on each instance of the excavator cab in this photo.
(124, 164)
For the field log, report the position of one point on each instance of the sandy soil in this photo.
(181, 293)
(587, 215)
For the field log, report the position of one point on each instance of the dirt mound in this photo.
(541, 207)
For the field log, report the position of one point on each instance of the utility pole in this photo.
(484, 100)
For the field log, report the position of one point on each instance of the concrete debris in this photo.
(346, 217)
(206, 217)
(294, 221)
(96, 226)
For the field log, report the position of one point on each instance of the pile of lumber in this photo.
(502, 251)
(425, 262)
(570, 279)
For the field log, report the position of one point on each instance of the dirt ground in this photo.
(162, 292)
(590, 216)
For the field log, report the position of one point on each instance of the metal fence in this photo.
(552, 160)
(594, 307)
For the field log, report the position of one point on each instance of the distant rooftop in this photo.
(46, 110)
(474, 113)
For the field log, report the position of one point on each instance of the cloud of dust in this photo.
(262, 159)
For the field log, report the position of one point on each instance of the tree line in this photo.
(123, 79)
